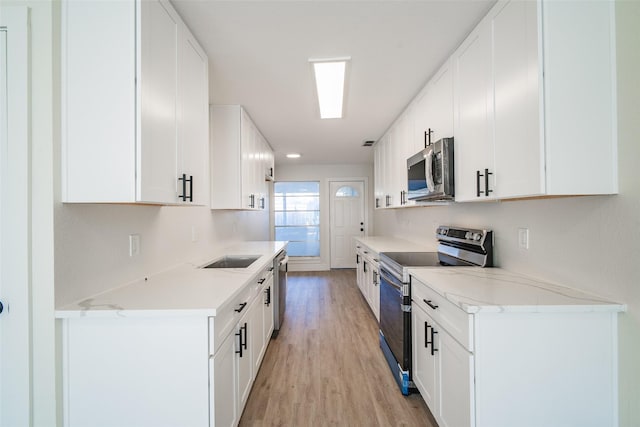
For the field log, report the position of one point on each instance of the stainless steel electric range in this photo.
(456, 247)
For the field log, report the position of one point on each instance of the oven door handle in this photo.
(390, 279)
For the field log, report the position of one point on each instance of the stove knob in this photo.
(477, 237)
(469, 235)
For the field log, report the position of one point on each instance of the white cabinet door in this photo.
(121, 139)
(424, 364)
(244, 372)
(434, 109)
(375, 293)
(440, 103)
(519, 151)
(193, 123)
(237, 153)
(268, 314)
(456, 399)
(360, 270)
(248, 166)
(225, 390)
(379, 173)
(256, 322)
(157, 157)
(473, 112)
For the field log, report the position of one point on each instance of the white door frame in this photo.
(366, 204)
(15, 224)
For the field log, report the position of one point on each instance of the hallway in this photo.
(326, 367)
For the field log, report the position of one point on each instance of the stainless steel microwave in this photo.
(430, 172)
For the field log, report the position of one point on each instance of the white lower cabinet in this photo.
(548, 366)
(166, 370)
(368, 277)
(442, 371)
(223, 375)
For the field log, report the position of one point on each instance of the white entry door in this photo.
(347, 221)
(15, 232)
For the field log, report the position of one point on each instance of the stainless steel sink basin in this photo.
(233, 261)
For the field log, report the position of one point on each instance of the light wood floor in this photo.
(326, 367)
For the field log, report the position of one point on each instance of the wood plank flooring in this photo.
(326, 367)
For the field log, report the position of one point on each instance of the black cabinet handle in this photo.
(375, 278)
(239, 335)
(430, 304)
(261, 281)
(271, 172)
(246, 340)
(388, 200)
(377, 202)
(426, 335)
(261, 202)
(242, 306)
(357, 259)
(1, 307)
(427, 138)
(486, 182)
(252, 201)
(184, 180)
(433, 344)
(268, 292)
(365, 266)
(486, 190)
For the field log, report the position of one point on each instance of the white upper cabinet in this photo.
(431, 110)
(473, 144)
(434, 110)
(240, 156)
(193, 154)
(534, 106)
(134, 105)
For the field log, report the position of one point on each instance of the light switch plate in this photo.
(523, 238)
(134, 245)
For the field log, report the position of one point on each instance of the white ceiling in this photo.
(259, 52)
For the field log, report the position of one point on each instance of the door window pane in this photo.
(297, 216)
(347, 191)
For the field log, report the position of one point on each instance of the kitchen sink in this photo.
(233, 261)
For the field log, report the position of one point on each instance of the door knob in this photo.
(362, 223)
(1, 307)
(362, 229)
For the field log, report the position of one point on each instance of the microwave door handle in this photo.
(429, 171)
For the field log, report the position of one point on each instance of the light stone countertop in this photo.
(495, 290)
(392, 244)
(183, 290)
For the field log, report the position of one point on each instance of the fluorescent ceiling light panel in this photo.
(293, 156)
(330, 78)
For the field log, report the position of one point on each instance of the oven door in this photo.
(395, 322)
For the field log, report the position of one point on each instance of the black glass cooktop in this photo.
(414, 259)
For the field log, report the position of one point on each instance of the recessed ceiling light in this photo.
(330, 78)
(293, 156)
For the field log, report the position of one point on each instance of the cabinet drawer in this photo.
(453, 319)
(228, 316)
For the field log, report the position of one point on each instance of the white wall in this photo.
(324, 173)
(92, 242)
(590, 243)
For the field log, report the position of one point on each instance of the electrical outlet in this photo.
(523, 238)
(134, 245)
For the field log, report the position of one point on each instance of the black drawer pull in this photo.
(430, 304)
(242, 306)
(261, 281)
